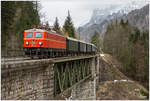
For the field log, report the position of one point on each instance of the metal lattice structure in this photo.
(69, 73)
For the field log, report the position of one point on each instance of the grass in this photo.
(142, 92)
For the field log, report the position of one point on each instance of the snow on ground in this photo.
(101, 54)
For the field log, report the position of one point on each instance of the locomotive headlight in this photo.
(40, 43)
(27, 43)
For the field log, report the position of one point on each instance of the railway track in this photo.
(11, 60)
(7, 59)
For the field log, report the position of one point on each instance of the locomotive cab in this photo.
(33, 41)
(43, 43)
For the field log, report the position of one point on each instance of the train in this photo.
(42, 43)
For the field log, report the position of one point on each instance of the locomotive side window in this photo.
(38, 35)
(29, 35)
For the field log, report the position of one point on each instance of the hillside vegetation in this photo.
(114, 85)
(131, 47)
(16, 16)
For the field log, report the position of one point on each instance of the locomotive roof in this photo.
(42, 30)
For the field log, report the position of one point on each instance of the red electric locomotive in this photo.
(43, 43)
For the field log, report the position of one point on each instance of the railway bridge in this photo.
(56, 78)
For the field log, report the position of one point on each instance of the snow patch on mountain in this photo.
(101, 17)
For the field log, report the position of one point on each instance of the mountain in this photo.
(101, 17)
(98, 22)
(139, 18)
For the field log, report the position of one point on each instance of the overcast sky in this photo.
(80, 10)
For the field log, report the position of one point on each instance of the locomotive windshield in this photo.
(38, 35)
(29, 35)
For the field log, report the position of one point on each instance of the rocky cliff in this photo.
(136, 14)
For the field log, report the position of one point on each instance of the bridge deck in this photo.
(23, 64)
(55, 60)
(73, 58)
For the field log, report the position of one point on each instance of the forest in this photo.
(131, 47)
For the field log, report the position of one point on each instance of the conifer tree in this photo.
(47, 24)
(17, 16)
(95, 40)
(69, 27)
(56, 25)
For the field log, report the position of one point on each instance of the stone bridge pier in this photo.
(87, 90)
(27, 80)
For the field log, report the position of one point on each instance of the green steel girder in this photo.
(66, 74)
